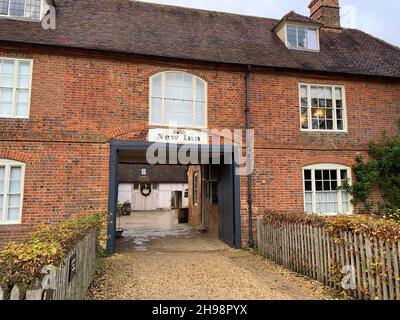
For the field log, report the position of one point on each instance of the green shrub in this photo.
(21, 263)
(366, 225)
(381, 172)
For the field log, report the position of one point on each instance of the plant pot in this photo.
(118, 233)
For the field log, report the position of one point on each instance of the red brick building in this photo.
(77, 99)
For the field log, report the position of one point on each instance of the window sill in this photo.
(25, 19)
(303, 49)
(14, 118)
(324, 131)
(10, 224)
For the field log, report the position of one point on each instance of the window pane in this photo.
(3, 6)
(340, 125)
(13, 214)
(14, 201)
(318, 174)
(338, 93)
(302, 37)
(6, 101)
(7, 80)
(304, 118)
(292, 36)
(200, 110)
(307, 174)
(32, 9)
(15, 173)
(312, 39)
(343, 175)
(15, 186)
(303, 92)
(156, 86)
(155, 110)
(23, 82)
(200, 94)
(308, 185)
(2, 172)
(8, 67)
(17, 8)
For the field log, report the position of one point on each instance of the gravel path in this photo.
(180, 263)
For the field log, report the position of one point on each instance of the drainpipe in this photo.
(249, 193)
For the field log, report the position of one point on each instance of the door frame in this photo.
(116, 146)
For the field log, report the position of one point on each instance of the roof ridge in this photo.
(162, 5)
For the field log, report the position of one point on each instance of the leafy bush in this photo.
(21, 263)
(366, 225)
(381, 172)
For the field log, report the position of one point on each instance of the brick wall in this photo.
(80, 101)
(194, 209)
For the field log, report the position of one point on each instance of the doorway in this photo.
(223, 191)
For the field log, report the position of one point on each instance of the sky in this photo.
(380, 18)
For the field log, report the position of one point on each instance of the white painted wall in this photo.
(158, 199)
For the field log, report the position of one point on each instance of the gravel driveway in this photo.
(174, 261)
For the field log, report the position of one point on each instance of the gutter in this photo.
(249, 180)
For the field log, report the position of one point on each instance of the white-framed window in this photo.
(15, 87)
(322, 189)
(12, 175)
(30, 9)
(302, 37)
(322, 108)
(178, 99)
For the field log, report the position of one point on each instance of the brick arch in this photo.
(158, 70)
(127, 129)
(14, 155)
(348, 162)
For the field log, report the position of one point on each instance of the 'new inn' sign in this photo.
(177, 136)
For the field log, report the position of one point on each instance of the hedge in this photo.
(21, 263)
(366, 225)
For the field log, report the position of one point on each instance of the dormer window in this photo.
(298, 32)
(29, 9)
(301, 37)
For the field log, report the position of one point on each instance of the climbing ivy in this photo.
(380, 172)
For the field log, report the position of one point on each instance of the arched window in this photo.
(11, 191)
(322, 189)
(178, 99)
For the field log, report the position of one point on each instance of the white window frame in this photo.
(194, 78)
(306, 26)
(309, 111)
(327, 166)
(8, 16)
(3, 214)
(15, 86)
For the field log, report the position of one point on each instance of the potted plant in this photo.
(124, 209)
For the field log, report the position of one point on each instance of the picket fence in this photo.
(69, 281)
(365, 268)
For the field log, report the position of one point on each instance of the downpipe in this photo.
(249, 180)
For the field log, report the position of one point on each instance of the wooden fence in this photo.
(69, 281)
(365, 268)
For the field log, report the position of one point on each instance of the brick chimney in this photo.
(326, 12)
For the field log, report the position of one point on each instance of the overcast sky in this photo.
(380, 18)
